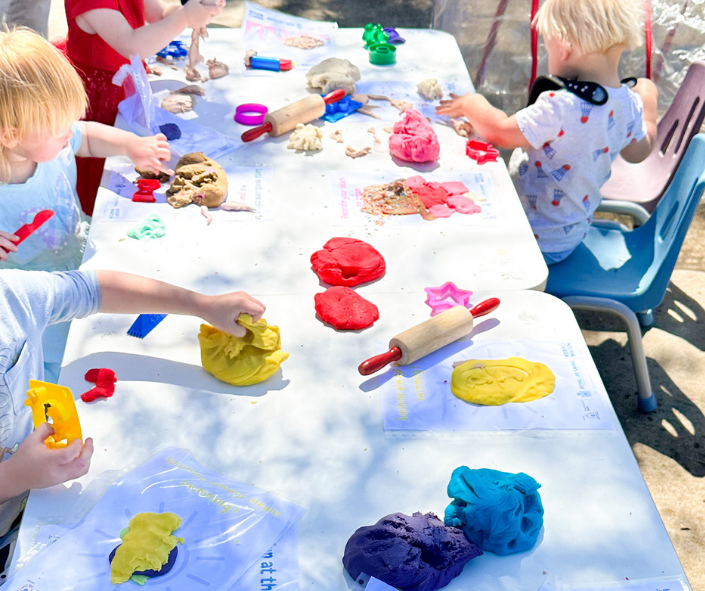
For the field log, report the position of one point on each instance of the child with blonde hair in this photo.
(568, 139)
(41, 101)
(103, 35)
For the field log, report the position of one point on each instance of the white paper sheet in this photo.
(250, 184)
(266, 30)
(346, 189)
(227, 526)
(417, 397)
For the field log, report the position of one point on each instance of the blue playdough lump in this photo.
(171, 131)
(416, 553)
(152, 573)
(499, 511)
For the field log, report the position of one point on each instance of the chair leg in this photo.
(646, 319)
(647, 400)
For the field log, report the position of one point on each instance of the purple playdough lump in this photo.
(417, 553)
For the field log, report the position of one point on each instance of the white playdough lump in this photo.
(333, 74)
(306, 137)
(430, 89)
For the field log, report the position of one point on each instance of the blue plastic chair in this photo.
(627, 272)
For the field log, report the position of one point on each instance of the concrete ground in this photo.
(669, 444)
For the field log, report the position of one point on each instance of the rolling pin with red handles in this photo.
(285, 119)
(429, 336)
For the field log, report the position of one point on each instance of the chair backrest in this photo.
(679, 124)
(672, 217)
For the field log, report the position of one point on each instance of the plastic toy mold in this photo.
(383, 54)
(394, 36)
(175, 49)
(445, 297)
(481, 152)
(374, 34)
(145, 190)
(54, 404)
(337, 111)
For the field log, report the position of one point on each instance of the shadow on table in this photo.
(142, 368)
(677, 427)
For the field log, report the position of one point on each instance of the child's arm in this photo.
(156, 10)
(649, 94)
(114, 29)
(102, 141)
(491, 123)
(124, 293)
(34, 465)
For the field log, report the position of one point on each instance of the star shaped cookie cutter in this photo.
(445, 297)
(481, 152)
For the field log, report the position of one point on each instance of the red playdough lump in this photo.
(347, 261)
(344, 309)
(413, 139)
(104, 380)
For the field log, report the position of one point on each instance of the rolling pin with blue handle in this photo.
(429, 336)
(285, 119)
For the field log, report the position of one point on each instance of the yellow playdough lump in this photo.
(497, 381)
(242, 361)
(146, 546)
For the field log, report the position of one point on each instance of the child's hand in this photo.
(150, 153)
(223, 311)
(34, 465)
(456, 107)
(7, 245)
(199, 13)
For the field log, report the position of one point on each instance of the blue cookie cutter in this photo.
(175, 49)
(337, 111)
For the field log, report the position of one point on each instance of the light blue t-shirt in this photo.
(59, 243)
(29, 302)
(573, 146)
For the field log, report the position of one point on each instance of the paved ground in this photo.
(670, 443)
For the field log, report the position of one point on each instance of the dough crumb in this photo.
(462, 127)
(353, 153)
(249, 54)
(179, 103)
(371, 130)
(306, 138)
(190, 89)
(337, 136)
(217, 69)
(206, 214)
(303, 42)
(430, 89)
(389, 129)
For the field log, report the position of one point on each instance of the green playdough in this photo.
(152, 227)
(146, 546)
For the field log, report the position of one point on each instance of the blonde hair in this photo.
(591, 26)
(39, 89)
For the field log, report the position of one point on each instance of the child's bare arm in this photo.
(103, 141)
(34, 465)
(649, 94)
(123, 293)
(145, 41)
(156, 10)
(491, 123)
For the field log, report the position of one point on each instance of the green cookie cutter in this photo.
(383, 54)
(373, 35)
(152, 227)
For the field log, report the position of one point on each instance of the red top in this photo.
(90, 51)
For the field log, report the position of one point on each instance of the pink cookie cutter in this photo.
(481, 152)
(250, 114)
(445, 297)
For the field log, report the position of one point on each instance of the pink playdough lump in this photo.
(413, 139)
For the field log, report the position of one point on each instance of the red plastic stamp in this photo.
(481, 152)
(145, 190)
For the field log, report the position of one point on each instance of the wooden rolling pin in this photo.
(285, 119)
(429, 336)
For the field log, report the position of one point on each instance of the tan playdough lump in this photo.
(199, 180)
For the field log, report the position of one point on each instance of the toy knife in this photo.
(28, 229)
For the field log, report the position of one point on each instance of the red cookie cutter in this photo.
(481, 152)
(145, 190)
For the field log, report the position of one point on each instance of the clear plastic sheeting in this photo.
(495, 41)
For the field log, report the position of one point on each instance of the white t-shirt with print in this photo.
(574, 144)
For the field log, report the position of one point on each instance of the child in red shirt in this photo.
(103, 34)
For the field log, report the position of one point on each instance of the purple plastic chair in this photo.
(644, 183)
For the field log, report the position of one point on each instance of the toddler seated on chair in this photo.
(565, 143)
